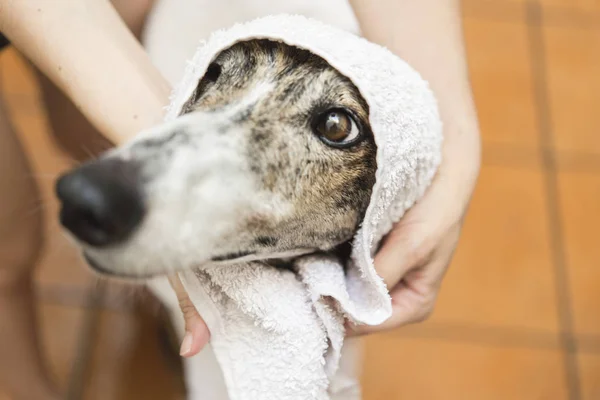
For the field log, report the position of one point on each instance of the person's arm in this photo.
(428, 35)
(85, 48)
(87, 51)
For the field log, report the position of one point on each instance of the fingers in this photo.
(412, 302)
(415, 254)
(414, 309)
(422, 231)
(403, 263)
(405, 248)
(414, 296)
(196, 331)
(412, 241)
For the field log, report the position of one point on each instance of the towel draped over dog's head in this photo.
(404, 120)
(279, 333)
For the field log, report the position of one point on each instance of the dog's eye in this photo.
(213, 72)
(336, 127)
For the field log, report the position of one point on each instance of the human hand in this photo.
(196, 330)
(416, 253)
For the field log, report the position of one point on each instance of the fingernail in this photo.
(186, 345)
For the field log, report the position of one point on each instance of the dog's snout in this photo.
(102, 203)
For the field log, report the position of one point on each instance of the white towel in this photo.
(279, 334)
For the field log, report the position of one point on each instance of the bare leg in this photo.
(22, 371)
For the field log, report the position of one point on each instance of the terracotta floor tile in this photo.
(60, 333)
(580, 6)
(474, 333)
(502, 273)
(589, 367)
(127, 362)
(577, 161)
(580, 201)
(576, 5)
(398, 369)
(573, 57)
(501, 78)
(494, 3)
(571, 18)
(500, 10)
(494, 154)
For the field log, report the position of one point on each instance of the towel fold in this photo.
(279, 334)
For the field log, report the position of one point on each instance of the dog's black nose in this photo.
(102, 203)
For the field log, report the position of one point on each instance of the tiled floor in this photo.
(518, 316)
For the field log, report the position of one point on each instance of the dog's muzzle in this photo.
(102, 203)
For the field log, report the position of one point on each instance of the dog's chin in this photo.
(105, 272)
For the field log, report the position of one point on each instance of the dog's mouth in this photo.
(101, 270)
(274, 258)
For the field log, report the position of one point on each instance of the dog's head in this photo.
(272, 157)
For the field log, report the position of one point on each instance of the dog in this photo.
(271, 158)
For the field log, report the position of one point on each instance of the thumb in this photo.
(412, 240)
(196, 331)
(406, 247)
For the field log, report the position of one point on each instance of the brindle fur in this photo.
(243, 175)
(329, 187)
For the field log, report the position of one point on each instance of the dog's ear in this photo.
(210, 77)
(190, 104)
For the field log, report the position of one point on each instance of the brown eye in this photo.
(336, 127)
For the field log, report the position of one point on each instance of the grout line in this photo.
(464, 332)
(555, 15)
(494, 336)
(484, 335)
(493, 11)
(543, 113)
(588, 344)
(519, 156)
(85, 345)
(569, 17)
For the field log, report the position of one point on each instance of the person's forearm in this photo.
(88, 52)
(428, 35)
